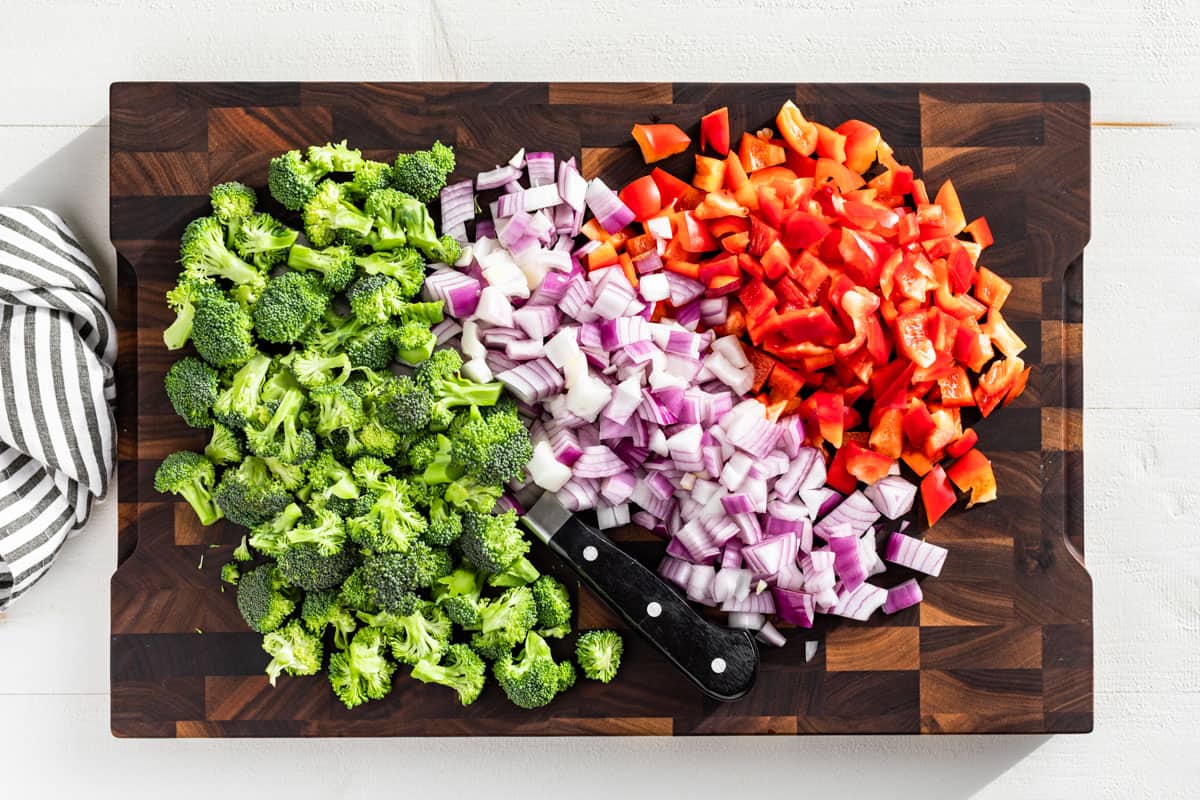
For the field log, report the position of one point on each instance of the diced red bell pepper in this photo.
(802, 230)
(758, 300)
(776, 261)
(735, 173)
(829, 411)
(947, 428)
(887, 435)
(1005, 338)
(721, 204)
(1018, 386)
(763, 365)
(693, 234)
(878, 344)
(964, 443)
(800, 134)
(973, 348)
(603, 256)
(836, 474)
(830, 144)
(785, 383)
(917, 462)
(735, 243)
(714, 131)
(757, 154)
(762, 236)
(991, 289)
(918, 424)
(947, 198)
(865, 464)
(960, 269)
(721, 285)
(660, 141)
(862, 142)
(643, 198)
(981, 232)
(913, 341)
(956, 389)
(710, 173)
(846, 179)
(805, 325)
(972, 472)
(937, 495)
(670, 188)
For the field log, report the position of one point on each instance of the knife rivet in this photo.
(590, 553)
(653, 609)
(718, 665)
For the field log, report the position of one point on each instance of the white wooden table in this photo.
(1142, 421)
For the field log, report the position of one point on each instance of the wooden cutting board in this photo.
(1003, 641)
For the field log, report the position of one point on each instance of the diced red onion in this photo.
(902, 596)
(856, 511)
(915, 554)
(540, 167)
(893, 496)
(860, 603)
(494, 179)
(611, 213)
(571, 186)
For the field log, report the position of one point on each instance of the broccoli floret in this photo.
(403, 405)
(241, 553)
(292, 476)
(204, 254)
(183, 299)
(322, 609)
(289, 307)
(368, 176)
(328, 478)
(361, 672)
(404, 264)
(224, 447)
(355, 594)
(238, 404)
(305, 566)
(458, 593)
(192, 387)
(468, 495)
(421, 635)
(293, 650)
(232, 201)
(374, 299)
(420, 232)
(327, 532)
(251, 495)
(393, 523)
(445, 524)
(390, 581)
(262, 239)
(191, 476)
(533, 678)
(492, 542)
(423, 174)
(327, 213)
(449, 249)
(384, 208)
(292, 180)
(370, 472)
(459, 668)
(230, 574)
(334, 264)
(263, 606)
(376, 440)
(426, 450)
(222, 332)
(599, 654)
(284, 437)
(439, 376)
(338, 408)
(553, 602)
(519, 573)
(504, 622)
(313, 368)
(495, 448)
(373, 347)
(414, 343)
(429, 313)
(338, 157)
(271, 537)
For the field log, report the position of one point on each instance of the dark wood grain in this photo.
(1004, 639)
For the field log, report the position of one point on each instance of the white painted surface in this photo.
(1142, 424)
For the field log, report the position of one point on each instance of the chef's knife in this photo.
(722, 662)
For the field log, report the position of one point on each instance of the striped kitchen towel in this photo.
(57, 434)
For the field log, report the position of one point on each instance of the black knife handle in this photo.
(722, 662)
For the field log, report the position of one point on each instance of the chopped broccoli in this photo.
(492, 542)
(338, 157)
(361, 672)
(230, 574)
(290, 475)
(504, 622)
(404, 264)
(599, 654)
(521, 572)
(191, 476)
(290, 305)
(241, 553)
(533, 678)
(323, 609)
(328, 213)
(421, 635)
(429, 312)
(439, 376)
(553, 602)
(327, 532)
(232, 201)
(445, 524)
(383, 206)
(375, 298)
(457, 667)
(183, 299)
(307, 567)
(284, 437)
(393, 524)
(204, 254)
(238, 404)
(225, 447)
(390, 580)
(251, 495)
(334, 264)
(313, 368)
(263, 240)
(421, 233)
(495, 448)
(293, 650)
(414, 343)
(566, 675)
(271, 537)
(338, 408)
(328, 478)
(423, 174)
(263, 606)
(458, 593)
(292, 180)
(192, 387)
(222, 332)
(468, 495)
(403, 406)
(372, 347)
(368, 176)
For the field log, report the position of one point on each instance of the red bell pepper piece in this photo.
(776, 261)
(642, 197)
(887, 435)
(964, 443)
(660, 141)
(710, 173)
(758, 300)
(762, 236)
(862, 142)
(670, 188)
(972, 472)
(956, 389)
(864, 464)
(1005, 338)
(991, 289)
(714, 131)
(947, 198)
(917, 462)
(912, 340)
(802, 230)
(693, 234)
(785, 383)
(763, 365)
(757, 154)
(838, 476)
(918, 424)
(937, 495)
(829, 411)
(981, 232)
(947, 428)
(799, 133)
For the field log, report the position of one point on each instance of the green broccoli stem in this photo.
(201, 501)
(176, 335)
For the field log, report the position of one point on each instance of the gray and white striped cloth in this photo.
(58, 346)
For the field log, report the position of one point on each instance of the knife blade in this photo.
(721, 662)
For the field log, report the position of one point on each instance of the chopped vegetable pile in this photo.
(366, 464)
(769, 365)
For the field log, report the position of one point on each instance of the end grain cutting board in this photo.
(1003, 641)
